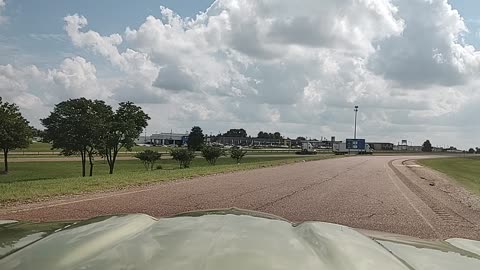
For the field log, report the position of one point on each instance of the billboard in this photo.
(355, 144)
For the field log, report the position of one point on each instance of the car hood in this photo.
(221, 239)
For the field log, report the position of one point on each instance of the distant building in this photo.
(143, 140)
(235, 141)
(169, 139)
(381, 146)
(249, 141)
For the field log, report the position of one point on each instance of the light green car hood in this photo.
(223, 240)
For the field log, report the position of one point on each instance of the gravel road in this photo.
(382, 193)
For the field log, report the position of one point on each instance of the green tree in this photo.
(236, 133)
(37, 133)
(149, 158)
(262, 135)
(237, 154)
(14, 130)
(183, 156)
(195, 139)
(427, 146)
(78, 126)
(212, 153)
(471, 151)
(123, 128)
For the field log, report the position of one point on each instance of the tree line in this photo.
(242, 133)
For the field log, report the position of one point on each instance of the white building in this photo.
(169, 139)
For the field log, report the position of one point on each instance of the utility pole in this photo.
(355, 130)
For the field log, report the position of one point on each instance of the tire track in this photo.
(445, 213)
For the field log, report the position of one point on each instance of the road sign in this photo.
(355, 144)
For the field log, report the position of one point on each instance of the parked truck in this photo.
(352, 146)
(307, 149)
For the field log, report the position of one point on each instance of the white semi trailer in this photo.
(352, 146)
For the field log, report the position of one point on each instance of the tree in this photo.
(212, 153)
(78, 126)
(123, 128)
(14, 130)
(183, 156)
(236, 133)
(149, 157)
(37, 133)
(301, 139)
(266, 135)
(471, 151)
(427, 146)
(237, 154)
(195, 139)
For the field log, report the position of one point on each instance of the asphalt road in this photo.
(379, 193)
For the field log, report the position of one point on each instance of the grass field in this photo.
(37, 147)
(33, 181)
(464, 170)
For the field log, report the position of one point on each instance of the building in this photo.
(237, 141)
(143, 140)
(178, 139)
(381, 146)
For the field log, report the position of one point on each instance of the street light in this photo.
(355, 130)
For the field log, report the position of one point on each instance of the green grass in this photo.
(32, 181)
(466, 171)
(37, 147)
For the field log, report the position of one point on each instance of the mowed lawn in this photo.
(32, 181)
(37, 147)
(464, 170)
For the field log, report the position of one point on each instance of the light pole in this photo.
(355, 130)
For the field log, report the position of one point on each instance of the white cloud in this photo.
(36, 90)
(430, 50)
(271, 64)
(3, 18)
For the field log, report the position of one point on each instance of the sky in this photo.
(298, 67)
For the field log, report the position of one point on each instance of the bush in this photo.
(237, 154)
(148, 157)
(212, 153)
(159, 167)
(183, 156)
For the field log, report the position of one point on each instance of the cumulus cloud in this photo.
(430, 50)
(266, 64)
(74, 77)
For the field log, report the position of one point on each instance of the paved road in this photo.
(376, 193)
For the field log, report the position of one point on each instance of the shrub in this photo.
(148, 157)
(237, 154)
(212, 153)
(159, 167)
(183, 156)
